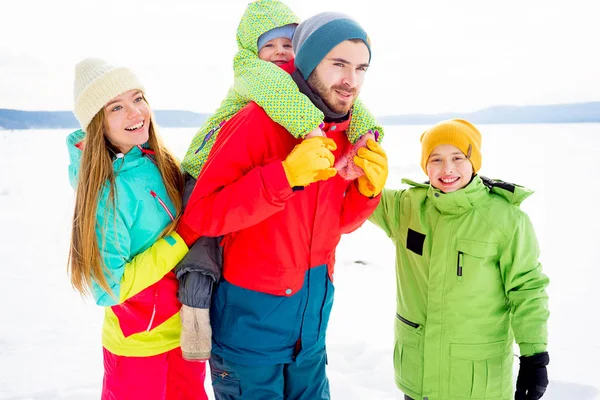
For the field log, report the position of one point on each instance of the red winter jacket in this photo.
(273, 235)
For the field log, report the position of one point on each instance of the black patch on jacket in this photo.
(414, 241)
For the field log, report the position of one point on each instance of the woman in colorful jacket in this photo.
(262, 75)
(123, 247)
(469, 283)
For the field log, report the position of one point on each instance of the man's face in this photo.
(340, 75)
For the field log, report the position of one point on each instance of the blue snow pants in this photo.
(290, 381)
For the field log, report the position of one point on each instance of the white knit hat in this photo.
(96, 82)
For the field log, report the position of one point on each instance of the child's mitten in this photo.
(345, 166)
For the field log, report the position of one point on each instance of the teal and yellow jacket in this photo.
(269, 86)
(469, 285)
(142, 313)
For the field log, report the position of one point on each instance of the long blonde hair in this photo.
(85, 261)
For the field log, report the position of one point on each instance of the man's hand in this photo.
(310, 161)
(373, 161)
(533, 377)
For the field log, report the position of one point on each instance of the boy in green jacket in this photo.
(469, 283)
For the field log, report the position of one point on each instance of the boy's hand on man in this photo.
(310, 161)
(373, 160)
(533, 377)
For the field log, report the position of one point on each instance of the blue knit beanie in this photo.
(286, 31)
(316, 36)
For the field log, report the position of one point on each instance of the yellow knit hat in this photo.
(457, 132)
(96, 83)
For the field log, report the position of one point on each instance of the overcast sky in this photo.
(428, 56)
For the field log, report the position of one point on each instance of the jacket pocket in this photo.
(224, 383)
(408, 357)
(470, 255)
(477, 370)
(161, 204)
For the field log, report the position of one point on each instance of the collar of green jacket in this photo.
(261, 16)
(121, 162)
(462, 200)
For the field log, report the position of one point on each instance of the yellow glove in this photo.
(373, 161)
(310, 161)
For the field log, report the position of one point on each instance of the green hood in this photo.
(261, 16)
(512, 193)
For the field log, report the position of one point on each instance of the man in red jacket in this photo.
(282, 209)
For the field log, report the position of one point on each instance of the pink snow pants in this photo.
(166, 376)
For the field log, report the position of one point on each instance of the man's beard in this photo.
(327, 94)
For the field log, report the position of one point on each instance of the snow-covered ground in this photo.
(50, 336)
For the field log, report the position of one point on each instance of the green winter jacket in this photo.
(468, 285)
(269, 86)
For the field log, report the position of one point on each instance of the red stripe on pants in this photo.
(166, 376)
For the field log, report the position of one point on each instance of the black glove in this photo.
(533, 377)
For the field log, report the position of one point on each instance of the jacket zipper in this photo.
(162, 203)
(148, 154)
(153, 311)
(459, 264)
(164, 206)
(209, 135)
(407, 322)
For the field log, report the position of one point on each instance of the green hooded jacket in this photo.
(269, 86)
(469, 285)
